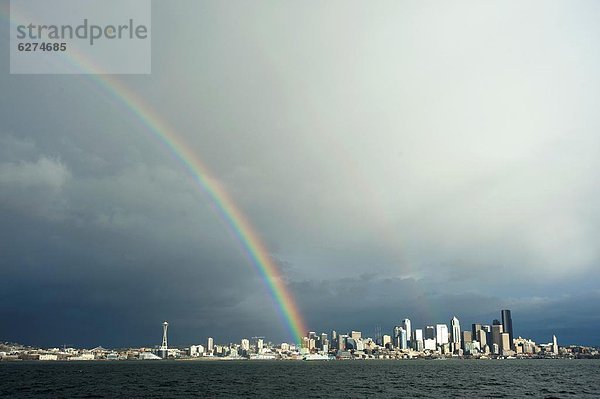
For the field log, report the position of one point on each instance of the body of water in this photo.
(282, 379)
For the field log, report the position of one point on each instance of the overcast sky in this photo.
(418, 159)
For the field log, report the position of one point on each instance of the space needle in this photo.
(163, 351)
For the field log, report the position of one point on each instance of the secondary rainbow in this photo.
(248, 239)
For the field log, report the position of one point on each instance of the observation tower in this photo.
(163, 351)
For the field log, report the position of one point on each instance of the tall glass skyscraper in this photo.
(406, 325)
(455, 325)
(507, 325)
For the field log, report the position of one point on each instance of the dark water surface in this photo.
(277, 379)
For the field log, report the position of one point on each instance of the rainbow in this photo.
(246, 236)
(228, 211)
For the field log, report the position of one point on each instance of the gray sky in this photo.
(399, 158)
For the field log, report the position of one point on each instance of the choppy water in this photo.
(385, 379)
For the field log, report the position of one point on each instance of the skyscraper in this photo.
(505, 344)
(482, 338)
(507, 325)
(399, 333)
(496, 337)
(323, 337)
(441, 331)
(418, 334)
(245, 345)
(474, 328)
(467, 337)
(407, 327)
(487, 329)
(429, 332)
(455, 331)
(403, 342)
(341, 342)
(417, 343)
(386, 341)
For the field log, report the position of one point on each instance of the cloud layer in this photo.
(403, 159)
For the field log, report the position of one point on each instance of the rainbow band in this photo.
(247, 237)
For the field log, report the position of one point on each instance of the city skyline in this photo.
(402, 336)
(481, 341)
(294, 166)
(405, 334)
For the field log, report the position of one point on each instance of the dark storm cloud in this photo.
(107, 258)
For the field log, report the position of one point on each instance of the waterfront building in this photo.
(210, 347)
(505, 345)
(474, 328)
(259, 345)
(495, 349)
(497, 338)
(418, 345)
(386, 341)
(469, 347)
(400, 338)
(356, 335)
(418, 339)
(441, 334)
(497, 331)
(407, 327)
(445, 349)
(342, 342)
(304, 343)
(196, 350)
(429, 344)
(554, 345)
(245, 345)
(359, 345)
(488, 334)
(429, 332)
(507, 325)
(325, 345)
(525, 346)
(482, 338)
(418, 334)
(455, 324)
(397, 336)
(350, 344)
(403, 339)
(466, 338)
